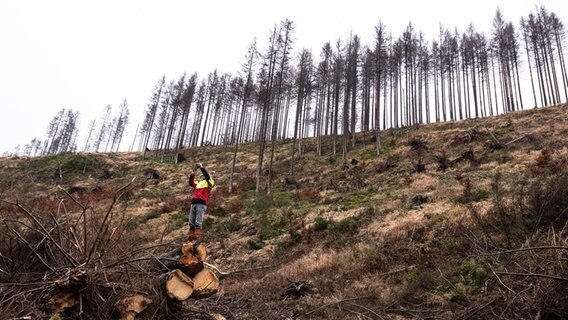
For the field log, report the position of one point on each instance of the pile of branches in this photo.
(78, 262)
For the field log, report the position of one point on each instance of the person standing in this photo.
(201, 191)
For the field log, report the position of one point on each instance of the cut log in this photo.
(178, 285)
(192, 259)
(131, 306)
(205, 284)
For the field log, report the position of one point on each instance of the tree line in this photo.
(63, 129)
(395, 82)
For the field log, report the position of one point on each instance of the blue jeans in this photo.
(196, 213)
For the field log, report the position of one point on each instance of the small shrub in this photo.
(255, 244)
(295, 238)
(262, 203)
(547, 163)
(271, 226)
(151, 215)
(321, 224)
(282, 199)
(473, 272)
(225, 226)
(344, 226)
(470, 195)
(537, 204)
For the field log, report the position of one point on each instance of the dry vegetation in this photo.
(460, 220)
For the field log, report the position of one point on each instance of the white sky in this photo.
(84, 55)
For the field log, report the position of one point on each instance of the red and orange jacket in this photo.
(202, 189)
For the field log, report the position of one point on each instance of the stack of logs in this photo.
(191, 279)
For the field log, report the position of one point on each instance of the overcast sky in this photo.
(84, 55)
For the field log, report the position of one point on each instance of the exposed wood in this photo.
(178, 285)
(63, 300)
(192, 259)
(131, 306)
(226, 273)
(205, 284)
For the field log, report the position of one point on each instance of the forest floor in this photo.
(454, 220)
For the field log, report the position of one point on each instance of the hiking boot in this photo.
(198, 232)
(191, 235)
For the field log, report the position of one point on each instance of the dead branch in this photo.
(538, 275)
(468, 155)
(226, 273)
(33, 250)
(125, 262)
(359, 314)
(73, 198)
(365, 308)
(104, 225)
(125, 259)
(470, 312)
(524, 249)
(494, 138)
(338, 302)
(500, 281)
(518, 139)
(45, 233)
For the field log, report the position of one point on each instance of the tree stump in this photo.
(63, 300)
(131, 306)
(179, 286)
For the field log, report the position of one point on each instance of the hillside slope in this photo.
(419, 232)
